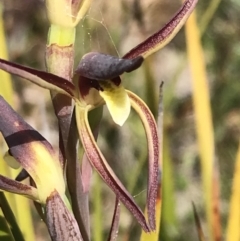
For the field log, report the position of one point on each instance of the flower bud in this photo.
(67, 13)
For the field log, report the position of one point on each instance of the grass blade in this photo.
(198, 224)
(8, 214)
(203, 119)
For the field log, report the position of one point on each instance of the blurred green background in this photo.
(114, 27)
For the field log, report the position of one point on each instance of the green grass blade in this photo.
(5, 232)
(19, 205)
(8, 214)
(97, 214)
(203, 119)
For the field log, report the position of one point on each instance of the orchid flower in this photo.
(97, 82)
(45, 167)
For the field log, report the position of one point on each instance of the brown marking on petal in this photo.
(20, 137)
(44, 77)
(117, 81)
(100, 164)
(85, 84)
(60, 220)
(13, 186)
(154, 175)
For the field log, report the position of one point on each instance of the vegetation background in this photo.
(114, 27)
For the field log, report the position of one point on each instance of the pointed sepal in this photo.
(16, 187)
(153, 155)
(102, 167)
(165, 35)
(60, 220)
(40, 78)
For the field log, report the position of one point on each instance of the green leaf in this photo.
(5, 232)
(8, 214)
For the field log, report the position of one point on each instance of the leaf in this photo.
(153, 151)
(204, 125)
(100, 164)
(8, 214)
(40, 78)
(5, 232)
(198, 223)
(165, 35)
(60, 221)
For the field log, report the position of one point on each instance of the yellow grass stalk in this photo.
(19, 205)
(233, 225)
(203, 119)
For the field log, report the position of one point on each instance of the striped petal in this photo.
(10, 185)
(40, 78)
(153, 151)
(100, 164)
(32, 151)
(60, 220)
(165, 35)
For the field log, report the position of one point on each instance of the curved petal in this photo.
(32, 151)
(117, 101)
(100, 164)
(153, 149)
(40, 78)
(165, 35)
(10, 185)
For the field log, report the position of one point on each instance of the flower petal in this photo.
(117, 101)
(40, 78)
(153, 151)
(60, 221)
(100, 164)
(10, 185)
(165, 35)
(32, 151)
